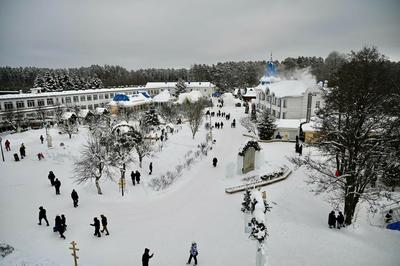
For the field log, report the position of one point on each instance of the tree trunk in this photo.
(140, 161)
(350, 203)
(98, 186)
(70, 135)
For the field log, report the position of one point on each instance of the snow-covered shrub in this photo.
(5, 249)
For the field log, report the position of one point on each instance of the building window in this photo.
(106, 96)
(90, 107)
(89, 97)
(67, 99)
(101, 96)
(31, 103)
(50, 101)
(96, 105)
(62, 100)
(284, 115)
(317, 103)
(40, 102)
(20, 104)
(83, 98)
(111, 95)
(95, 97)
(284, 103)
(8, 106)
(75, 99)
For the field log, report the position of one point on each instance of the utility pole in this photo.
(122, 181)
(74, 250)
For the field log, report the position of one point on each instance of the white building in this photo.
(27, 105)
(205, 88)
(290, 99)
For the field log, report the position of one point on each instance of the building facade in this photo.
(205, 88)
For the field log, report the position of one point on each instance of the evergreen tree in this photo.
(266, 126)
(246, 202)
(150, 118)
(180, 87)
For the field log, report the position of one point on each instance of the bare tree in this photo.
(92, 162)
(69, 127)
(194, 115)
(248, 124)
(169, 112)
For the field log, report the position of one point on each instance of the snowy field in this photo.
(195, 208)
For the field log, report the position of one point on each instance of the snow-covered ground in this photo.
(195, 208)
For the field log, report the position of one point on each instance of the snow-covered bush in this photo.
(5, 249)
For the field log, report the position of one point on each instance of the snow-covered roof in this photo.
(162, 97)
(191, 84)
(288, 123)
(250, 93)
(66, 93)
(135, 99)
(84, 112)
(192, 96)
(67, 115)
(100, 110)
(310, 126)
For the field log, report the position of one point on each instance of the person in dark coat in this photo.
(215, 160)
(301, 150)
(340, 220)
(58, 227)
(41, 138)
(42, 215)
(222, 125)
(104, 224)
(63, 222)
(133, 177)
(193, 253)
(389, 216)
(57, 185)
(7, 144)
(146, 257)
(22, 151)
(75, 197)
(96, 224)
(332, 219)
(137, 175)
(51, 177)
(151, 168)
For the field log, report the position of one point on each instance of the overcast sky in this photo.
(178, 33)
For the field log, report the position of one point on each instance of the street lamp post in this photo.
(1, 145)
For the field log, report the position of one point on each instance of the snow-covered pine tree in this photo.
(253, 114)
(258, 222)
(266, 126)
(246, 201)
(180, 87)
(150, 118)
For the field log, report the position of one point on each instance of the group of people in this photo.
(96, 224)
(22, 150)
(335, 221)
(60, 225)
(192, 255)
(219, 125)
(54, 182)
(135, 176)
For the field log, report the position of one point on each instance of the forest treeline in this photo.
(226, 76)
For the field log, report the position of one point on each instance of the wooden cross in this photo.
(74, 250)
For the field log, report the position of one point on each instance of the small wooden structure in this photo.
(248, 153)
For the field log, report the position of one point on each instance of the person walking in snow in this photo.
(137, 175)
(57, 185)
(146, 257)
(193, 253)
(133, 177)
(42, 215)
(75, 198)
(215, 160)
(96, 224)
(332, 219)
(340, 220)
(7, 144)
(22, 151)
(222, 125)
(104, 224)
(151, 168)
(58, 227)
(41, 139)
(301, 150)
(63, 222)
(51, 177)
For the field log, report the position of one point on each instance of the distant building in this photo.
(205, 88)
